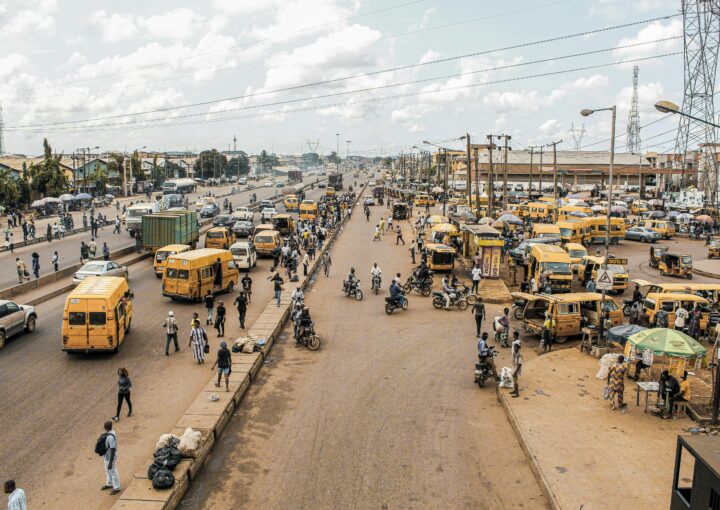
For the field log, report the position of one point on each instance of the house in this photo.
(85, 175)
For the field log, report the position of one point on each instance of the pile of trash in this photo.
(248, 344)
(169, 451)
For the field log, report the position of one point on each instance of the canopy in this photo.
(38, 203)
(704, 218)
(655, 201)
(436, 220)
(673, 214)
(83, 196)
(510, 218)
(66, 197)
(445, 227)
(437, 189)
(51, 200)
(667, 341)
(108, 195)
(487, 220)
(507, 211)
(621, 333)
(597, 208)
(500, 224)
(618, 209)
(656, 214)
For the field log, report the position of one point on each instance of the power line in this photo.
(361, 75)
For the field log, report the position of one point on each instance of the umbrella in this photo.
(51, 200)
(447, 228)
(507, 211)
(580, 203)
(684, 216)
(618, 209)
(37, 203)
(487, 220)
(108, 195)
(656, 214)
(501, 224)
(510, 218)
(576, 195)
(673, 214)
(704, 218)
(597, 208)
(67, 197)
(621, 333)
(83, 196)
(579, 214)
(436, 219)
(667, 341)
(620, 203)
(655, 201)
(437, 189)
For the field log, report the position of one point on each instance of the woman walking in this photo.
(124, 385)
(223, 362)
(198, 342)
(220, 319)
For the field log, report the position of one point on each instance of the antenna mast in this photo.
(633, 126)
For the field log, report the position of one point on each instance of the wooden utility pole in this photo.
(491, 183)
(468, 182)
(555, 177)
(541, 170)
(477, 185)
(505, 176)
(532, 152)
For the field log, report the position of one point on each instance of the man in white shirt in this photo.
(110, 461)
(16, 498)
(476, 275)
(681, 316)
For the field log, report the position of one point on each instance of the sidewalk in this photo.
(586, 455)
(709, 268)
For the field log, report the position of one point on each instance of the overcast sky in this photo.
(250, 62)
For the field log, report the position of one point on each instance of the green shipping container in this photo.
(169, 227)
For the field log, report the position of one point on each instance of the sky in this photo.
(290, 75)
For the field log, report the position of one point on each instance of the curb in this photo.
(210, 418)
(706, 274)
(532, 459)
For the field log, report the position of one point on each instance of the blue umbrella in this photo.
(83, 196)
(66, 197)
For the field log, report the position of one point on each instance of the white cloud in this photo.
(297, 18)
(618, 8)
(243, 6)
(429, 56)
(652, 32)
(114, 27)
(177, 24)
(18, 16)
(11, 65)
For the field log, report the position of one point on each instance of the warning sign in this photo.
(604, 280)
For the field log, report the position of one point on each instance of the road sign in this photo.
(618, 262)
(604, 280)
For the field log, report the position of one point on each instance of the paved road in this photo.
(384, 415)
(53, 405)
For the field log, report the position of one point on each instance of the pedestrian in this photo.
(548, 328)
(220, 319)
(412, 250)
(681, 316)
(16, 497)
(306, 263)
(327, 262)
(48, 233)
(9, 244)
(171, 331)
(209, 300)
(199, 342)
(117, 225)
(478, 310)
(36, 264)
(223, 362)
(512, 269)
(399, 237)
(277, 287)
(241, 304)
(616, 382)
(92, 248)
(517, 361)
(247, 286)
(109, 445)
(56, 261)
(124, 385)
(106, 251)
(476, 276)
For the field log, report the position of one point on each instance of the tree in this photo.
(101, 179)
(334, 158)
(115, 164)
(24, 186)
(9, 193)
(136, 166)
(172, 169)
(47, 178)
(209, 164)
(239, 165)
(311, 159)
(268, 161)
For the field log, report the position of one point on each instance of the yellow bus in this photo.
(596, 228)
(576, 252)
(291, 203)
(590, 264)
(541, 230)
(665, 228)
(266, 241)
(440, 257)
(97, 315)
(191, 274)
(162, 255)
(573, 231)
(308, 210)
(709, 291)
(424, 199)
(554, 262)
(565, 211)
(540, 210)
(219, 237)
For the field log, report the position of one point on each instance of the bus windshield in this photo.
(556, 267)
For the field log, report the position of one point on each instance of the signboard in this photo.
(604, 280)
(618, 262)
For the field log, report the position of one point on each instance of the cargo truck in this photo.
(294, 176)
(335, 181)
(170, 227)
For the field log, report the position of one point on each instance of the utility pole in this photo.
(491, 180)
(468, 182)
(555, 176)
(505, 176)
(532, 152)
(445, 180)
(477, 185)
(541, 170)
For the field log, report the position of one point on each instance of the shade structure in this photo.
(437, 189)
(108, 195)
(437, 219)
(575, 195)
(447, 228)
(83, 196)
(510, 218)
(38, 203)
(656, 214)
(704, 218)
(597, 208)
(682, 217)
(507, 211)
(51, 200)
(501, 224)
(674, 214)
(655, 201)
(667, 341)
(618, 209)
(487, 220)
(580, 203)
(621, 334)
(67, 197)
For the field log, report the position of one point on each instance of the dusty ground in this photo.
(384, 415)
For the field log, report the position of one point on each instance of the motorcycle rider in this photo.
(448, 292)
(422, 272)
(376, 271)
(485, 356)
(298, 296)
(637, 295)
(303, 321)
(351, 279)
(395, 293)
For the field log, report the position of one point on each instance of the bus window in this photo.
(97, 318)
(77, 318)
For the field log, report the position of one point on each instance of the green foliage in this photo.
(310, 159)
(334, 158)
(24, 186)
(136, 166)
(101, 178)
(387, 161)
(47, 177)
(209, 164)
(9, 192)
(239, 165)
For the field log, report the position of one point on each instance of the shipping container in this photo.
(170, 227)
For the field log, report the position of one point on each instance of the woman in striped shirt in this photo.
(198, 342)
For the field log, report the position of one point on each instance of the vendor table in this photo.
(647, 387)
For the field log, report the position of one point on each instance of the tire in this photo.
(407, 287)
(462, 304)
(426, 291)
(313, 343)
(347, 292)
(388, 309)
(438, 302)
(405, 304)
(689, 276)
(481, 381)
(561, 339)
(158, 275)
(358, 295)
(643, 239)
(518, 313)
(3, 339)
(471, 299)
(230, 287)
(626, 311)
(127, 330)
(30, 325)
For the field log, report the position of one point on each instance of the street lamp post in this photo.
(586, 113)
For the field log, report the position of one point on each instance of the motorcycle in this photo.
(423, 287)
(627, 307)
(392, 304)
(353, 289)
(518, 307)
(464, 290)
(482, 369)
(308, 338)
(375, 285)
(459, 300)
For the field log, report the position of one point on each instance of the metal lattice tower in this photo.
(577, 134)
(2, 133)
(313, 146)
(701, 33)
(633, 126)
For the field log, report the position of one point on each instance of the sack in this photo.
(206, 348)
(236, 348)
(606, 393)
(163, 479)
(152, 470)
(168, 457)
(101, 444)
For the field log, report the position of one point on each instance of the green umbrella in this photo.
(667, 341)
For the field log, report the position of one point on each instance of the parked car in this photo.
(209, 210)
(269, 184)
(267, 214)
(15, 319)
(243, 214)
(266, 203)
(224, 220)
(280, 184)
(100, 268)
(369, 201)
(642, 234)
(243, 228)
(322, 185)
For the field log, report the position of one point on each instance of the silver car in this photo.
(15, 319)
(100, 268)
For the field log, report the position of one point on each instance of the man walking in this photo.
(241, 304)
(106, 251)
(171, 331)
(476, 275)
(16, 497)
(616, 382)
(326, 262)
(117, 225)
(209, 305)
(247, 287)
(399, 237)
(56, 261)
(277, 287)
(478, 310)
(21, 270)
(412, 250)
(110, 460)
(306, 263)
(517, 360)
(36, 264)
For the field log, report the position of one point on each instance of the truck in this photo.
(294, 176)
(135, 214)
(170, 227)
(335, 181)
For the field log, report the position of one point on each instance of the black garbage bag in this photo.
(168, 456)
(152, 469)
(163, 479)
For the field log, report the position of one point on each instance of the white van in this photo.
(244, 254)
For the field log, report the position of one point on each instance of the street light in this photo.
(586, 113)
(668, 107)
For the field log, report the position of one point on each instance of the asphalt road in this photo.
(384, 415)
(53, 405)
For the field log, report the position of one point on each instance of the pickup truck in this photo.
(243, 214)
(15, 319)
